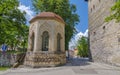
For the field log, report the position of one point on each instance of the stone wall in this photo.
(104, 36)
(7, 59)
(45, 59)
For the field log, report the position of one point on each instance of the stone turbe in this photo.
(46, 45)
(48, 15)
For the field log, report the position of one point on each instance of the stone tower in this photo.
(104, 36)
(46, 45)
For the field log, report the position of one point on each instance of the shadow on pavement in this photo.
(77, 62)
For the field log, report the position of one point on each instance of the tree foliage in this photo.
(63, 8)
(12, 22)
(115, 12)
(82, 47)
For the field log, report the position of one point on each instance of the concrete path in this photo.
(74, 67)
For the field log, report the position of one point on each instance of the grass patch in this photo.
(4, 68)
(15, 52)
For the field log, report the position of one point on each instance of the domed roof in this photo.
(49, 15)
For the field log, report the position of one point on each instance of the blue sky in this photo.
(82, 11)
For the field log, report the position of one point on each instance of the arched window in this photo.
(58, 42)
(32, 41)
(93, 6)
(91, 9)
(45, 41)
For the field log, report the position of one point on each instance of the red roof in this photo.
(48, 15)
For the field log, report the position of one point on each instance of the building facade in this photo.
(104, 37)
(46, 45)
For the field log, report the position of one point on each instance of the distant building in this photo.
(76, 53)
(71, 53)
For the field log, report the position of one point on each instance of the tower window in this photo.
(91, 9)
(118, 39)
(99, 0)
(104, 27)
(94, 33)
(93, 6)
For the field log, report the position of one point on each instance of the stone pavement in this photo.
(74, 67)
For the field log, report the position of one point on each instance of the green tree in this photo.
(63, 8)
(11, 22)
(82, 47)
(24, 36)
(115, 12)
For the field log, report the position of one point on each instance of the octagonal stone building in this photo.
(46, 45)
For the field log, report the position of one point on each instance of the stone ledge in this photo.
(45, 60)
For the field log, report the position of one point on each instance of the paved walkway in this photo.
(74, 67)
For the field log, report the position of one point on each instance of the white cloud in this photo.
(79, 35)
(73, 42)
(29, 12)
(86, 33)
